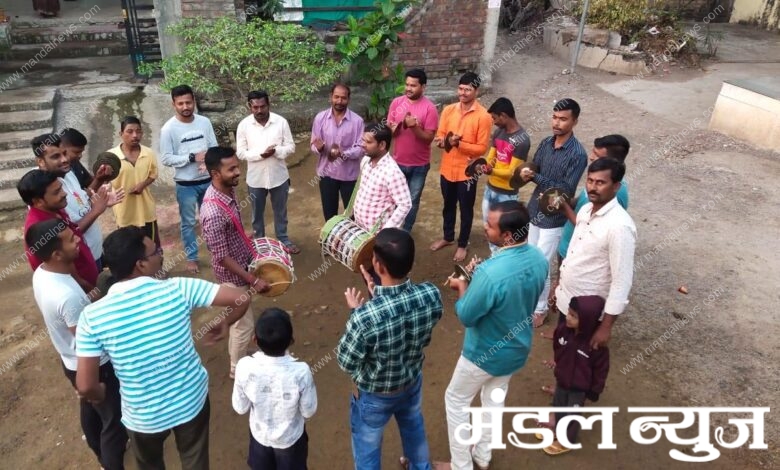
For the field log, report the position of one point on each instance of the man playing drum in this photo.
(382, 195)
(220, 219)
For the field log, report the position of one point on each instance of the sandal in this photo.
(292, 249)
(556, 449)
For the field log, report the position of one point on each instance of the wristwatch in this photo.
(192, 158)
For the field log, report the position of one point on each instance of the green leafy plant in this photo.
(368, 47)
(231, 57)
(263, 9)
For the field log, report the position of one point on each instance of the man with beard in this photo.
(413, 119)
(560, 160)
(42, 192)
(231, 249)
(265, 141)
(61, 300)
(336, 135)
(137, 173)
(183, 143)
(82, 208)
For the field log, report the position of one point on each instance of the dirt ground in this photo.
(707, 216)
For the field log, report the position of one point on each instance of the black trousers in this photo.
(568, 398)
(192, 442)
(269, 458)
(102, 422)
(463, 194)
(330, 189)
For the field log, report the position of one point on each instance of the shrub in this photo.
(225, 55)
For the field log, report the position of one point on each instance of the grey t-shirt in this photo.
(179, 139)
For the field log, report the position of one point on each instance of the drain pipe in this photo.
(579, 35)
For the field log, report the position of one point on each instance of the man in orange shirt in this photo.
(464, 134)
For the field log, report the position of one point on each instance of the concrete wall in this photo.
(596, 52)
(446, 37)
(749, 110)
(764, 13)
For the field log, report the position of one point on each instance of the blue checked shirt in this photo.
(558, 168)
(382, 347)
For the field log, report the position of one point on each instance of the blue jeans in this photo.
(415, 178)
(491, 197)
(279, 206)
(369, 414)
(190, 198)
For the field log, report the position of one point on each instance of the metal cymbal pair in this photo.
(551, 201)
(516, 181)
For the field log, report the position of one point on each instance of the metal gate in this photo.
(143, 39)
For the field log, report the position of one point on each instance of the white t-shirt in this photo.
(60, 300)
(77, 208)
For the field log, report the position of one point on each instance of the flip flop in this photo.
(292, 249)
(555, 449)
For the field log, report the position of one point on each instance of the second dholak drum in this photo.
(272, 264)
(347, 242)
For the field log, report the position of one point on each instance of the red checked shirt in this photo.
(382, 193)
(222, 237)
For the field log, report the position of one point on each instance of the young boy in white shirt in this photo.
(280, 393)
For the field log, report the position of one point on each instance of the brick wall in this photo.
(445, 37)
(207, 8)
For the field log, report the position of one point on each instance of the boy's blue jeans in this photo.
(369, 415)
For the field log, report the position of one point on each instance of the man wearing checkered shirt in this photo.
(382, 350)
(382, 195)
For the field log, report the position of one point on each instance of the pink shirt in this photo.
(408, 150)
(382, 193)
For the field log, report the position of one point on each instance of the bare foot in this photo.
(549, 363)
(192, 267)
(548, 389)
(539, 319)
(439, 244)
(546, 335)
(442, 466)
(460, 254)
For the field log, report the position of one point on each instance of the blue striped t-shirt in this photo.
(558, 168)
(143, 324)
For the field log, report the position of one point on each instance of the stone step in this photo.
(27, 52)
(25, 120)
(58, 35)
(11, 176)
(10, 200)
(17, 158)
(20, 139)
(25, 99)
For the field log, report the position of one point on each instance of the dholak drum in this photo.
(272, 264)
(347, 243)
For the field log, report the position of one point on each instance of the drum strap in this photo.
(348, 209)
(236, 222)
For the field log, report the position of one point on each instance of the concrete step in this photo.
(57, 35)
(65, 50)
(10, 201)
(17, 158)
(25, 120)
(20, 139)
(25, 99)
(9, 177)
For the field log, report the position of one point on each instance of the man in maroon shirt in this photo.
(42, 192)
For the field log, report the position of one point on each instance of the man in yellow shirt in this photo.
(508, 151)
(464, 134)
(138, 172)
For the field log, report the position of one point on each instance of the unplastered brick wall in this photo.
(207, 8)
(445, 37)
